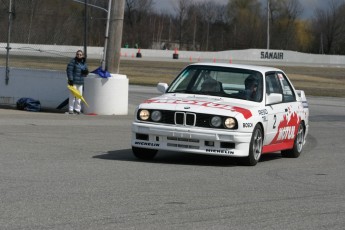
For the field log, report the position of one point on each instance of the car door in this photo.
(274, 112)
(282, 121)
(288, 127)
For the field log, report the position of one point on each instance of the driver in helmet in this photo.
(251, 88)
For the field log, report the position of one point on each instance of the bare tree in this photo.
(138, 22)
(284, 15)
(329, 27)
(209, 12)
(32, 4)
(246, 22)
(219, 29)
(181, 9)
(202, 26)
(136, 9)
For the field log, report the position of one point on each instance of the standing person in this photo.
(76, 71)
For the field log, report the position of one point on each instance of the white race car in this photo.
(225, 110)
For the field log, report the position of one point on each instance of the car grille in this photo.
(185, 118)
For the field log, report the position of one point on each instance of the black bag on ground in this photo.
(28, 104)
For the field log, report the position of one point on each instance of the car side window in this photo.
(288, 93)
(272, 84)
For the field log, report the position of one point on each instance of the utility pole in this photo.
(10, 13)
(321, 44)
(106, 40)
(85, 28)
(268, 24)
(112, 64)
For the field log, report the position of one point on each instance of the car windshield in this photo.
(219, 81)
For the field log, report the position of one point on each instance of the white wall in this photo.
(249, 55)
(50, 86)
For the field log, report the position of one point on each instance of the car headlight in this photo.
(144, 115)
(216, 121)
(230, 122)
(156, 116)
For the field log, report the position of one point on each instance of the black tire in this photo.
(144, 154)
(297, 146)
(255, 147)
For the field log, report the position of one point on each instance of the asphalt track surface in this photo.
(61, 171)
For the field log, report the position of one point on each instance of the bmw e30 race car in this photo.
(225, 110)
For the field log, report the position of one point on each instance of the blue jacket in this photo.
(76, 71)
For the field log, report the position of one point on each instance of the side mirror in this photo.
(274, 98)
(162, 87)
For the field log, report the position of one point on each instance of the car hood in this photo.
(201, 104)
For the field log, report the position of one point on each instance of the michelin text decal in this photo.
(146, 144)
(220, 151)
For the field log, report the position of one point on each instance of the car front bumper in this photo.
(190, 139)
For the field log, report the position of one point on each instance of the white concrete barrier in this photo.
(49, 87)
(267, 57)
(106, 96)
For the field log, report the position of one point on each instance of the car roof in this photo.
(262, 69)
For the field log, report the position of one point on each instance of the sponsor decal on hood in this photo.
(245, 112)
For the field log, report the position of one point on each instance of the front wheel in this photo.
(255, 147)
(144, 154)
(297, 146)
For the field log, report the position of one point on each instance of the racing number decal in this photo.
(286, 131)
(275, 121)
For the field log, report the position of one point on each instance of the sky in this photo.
(308, 5)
